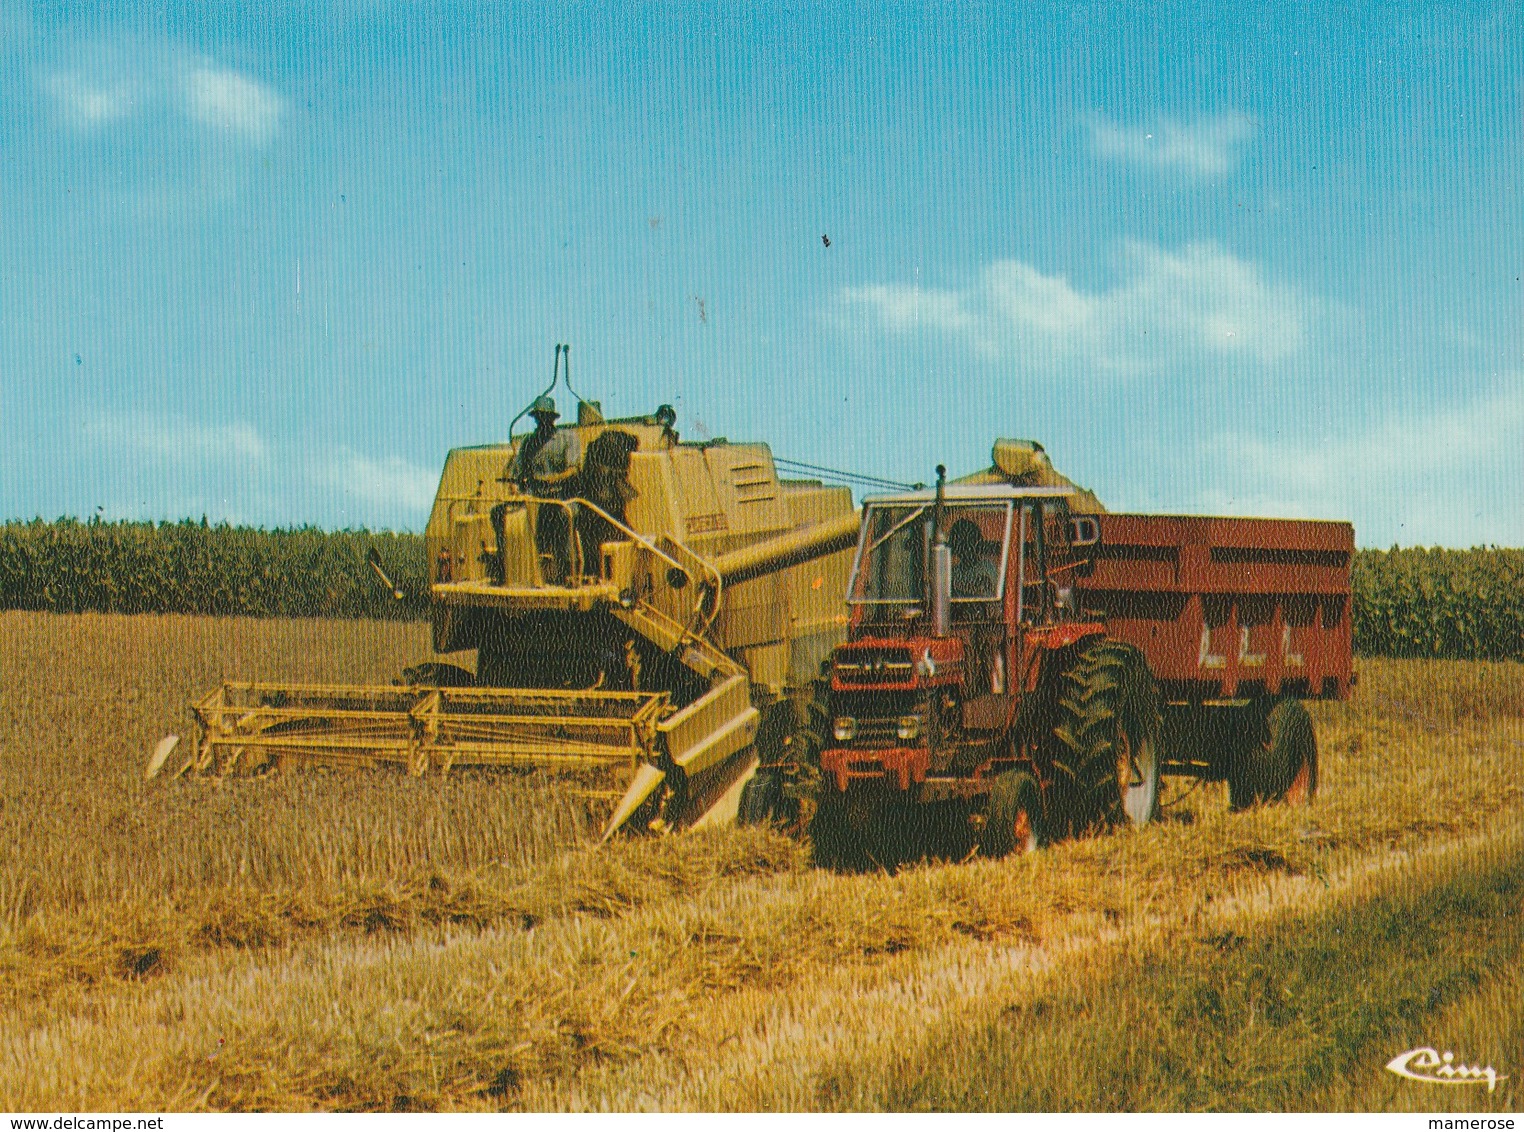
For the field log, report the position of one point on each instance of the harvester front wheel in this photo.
(763, 801)
(435, 674)
(1107, 739)
(1278, 759)
(1014, 820)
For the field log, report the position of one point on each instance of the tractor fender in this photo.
(1063, 636)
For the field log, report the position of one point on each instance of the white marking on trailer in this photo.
(1245, 657)
(1294, 659)
(1205, 657)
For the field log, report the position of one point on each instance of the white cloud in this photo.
(1199, 298)
(177, 439)
(908, 308)
(1450, 477)
(87, 103)
(391, 485)
(121, 86)
(230, 101)
(1207, 146)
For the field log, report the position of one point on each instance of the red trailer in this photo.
(1017, 672)
(1226, 608)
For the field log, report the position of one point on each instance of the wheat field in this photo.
(372, 942)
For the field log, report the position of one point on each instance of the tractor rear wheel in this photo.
(1277, 759)
(1107, 739)
(1014, 822)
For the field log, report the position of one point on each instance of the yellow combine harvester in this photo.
(636, 603)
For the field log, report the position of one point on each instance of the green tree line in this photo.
(1458, 604)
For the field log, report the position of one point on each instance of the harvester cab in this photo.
(608, 601)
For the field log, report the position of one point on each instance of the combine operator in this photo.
(546, 458)
(543, 466)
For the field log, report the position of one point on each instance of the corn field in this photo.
(1449, 604)
(192, 567)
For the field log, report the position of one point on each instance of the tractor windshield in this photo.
(893, 563)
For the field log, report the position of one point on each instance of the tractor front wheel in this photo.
(869, 825)
(1014, 822)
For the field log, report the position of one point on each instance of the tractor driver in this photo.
(972, 574)
(546, 458)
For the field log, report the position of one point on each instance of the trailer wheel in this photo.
(1015, 816)
(1278, 758)
(1108, 736)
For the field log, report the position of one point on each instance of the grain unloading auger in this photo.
(644, 611)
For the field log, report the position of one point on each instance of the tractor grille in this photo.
(874, 666)
(876, 733)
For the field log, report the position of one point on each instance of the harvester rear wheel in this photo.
(1107, 739)
(1278, 759)
(1014, 822)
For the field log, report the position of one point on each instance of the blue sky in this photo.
(270, 266)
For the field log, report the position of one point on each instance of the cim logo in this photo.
(1428, 1064)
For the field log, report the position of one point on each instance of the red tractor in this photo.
(1017, 672)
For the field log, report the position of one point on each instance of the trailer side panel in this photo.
(1226, 607)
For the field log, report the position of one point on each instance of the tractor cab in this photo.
(971, 555)
(953, 595)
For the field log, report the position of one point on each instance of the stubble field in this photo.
(376, 942)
